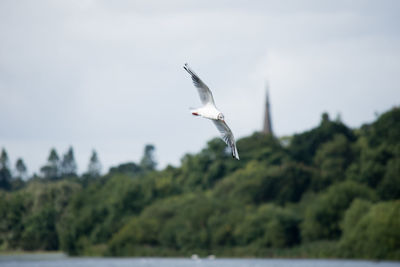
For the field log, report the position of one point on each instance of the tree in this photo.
(129, 168)
(5, 174)
(332, 158)
(52, 169)
(389, 188)
(378, 149)
(94, 167)
(375, 233)
(68, 164)
(268, 226)
(148, 162)
(4, 161)
(21, 168)
(322, 217)
(386, 129)
(303, 146)
(40, 230)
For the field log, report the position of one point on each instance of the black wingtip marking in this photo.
(195, 78)
(186, 67)
(235, 156)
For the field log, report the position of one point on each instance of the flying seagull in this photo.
(210, 111)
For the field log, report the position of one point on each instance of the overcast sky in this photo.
(107, 75)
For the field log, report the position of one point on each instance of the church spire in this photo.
(267, 129)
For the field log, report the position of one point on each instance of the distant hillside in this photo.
(331, 191)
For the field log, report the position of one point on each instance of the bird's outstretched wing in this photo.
(227, 136)
(206, 96)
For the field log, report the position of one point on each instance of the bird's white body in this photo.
(210, 111)
(207, 111)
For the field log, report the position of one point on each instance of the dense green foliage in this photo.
(29, 216)
(330, 192)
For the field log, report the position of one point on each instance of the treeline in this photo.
(54, 169)
(331, 191)
(57, 168)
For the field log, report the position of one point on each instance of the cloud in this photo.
(108, 75)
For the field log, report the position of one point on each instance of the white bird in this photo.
(210, 111)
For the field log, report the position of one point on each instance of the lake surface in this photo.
(60, 260)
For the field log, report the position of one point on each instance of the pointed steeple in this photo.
(267, 129)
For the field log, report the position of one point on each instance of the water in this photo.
(60, 260)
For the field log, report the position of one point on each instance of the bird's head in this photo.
(220, 117)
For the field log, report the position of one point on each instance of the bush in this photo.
(375, 234)
(389, 188)
(40, 230)
(332, 159)
(268, 226)
(258, 183)
(322, 218)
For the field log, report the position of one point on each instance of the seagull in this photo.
(210, 111)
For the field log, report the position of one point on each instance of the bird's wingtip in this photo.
(186, 67)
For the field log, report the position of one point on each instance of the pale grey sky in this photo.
(108, 74)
